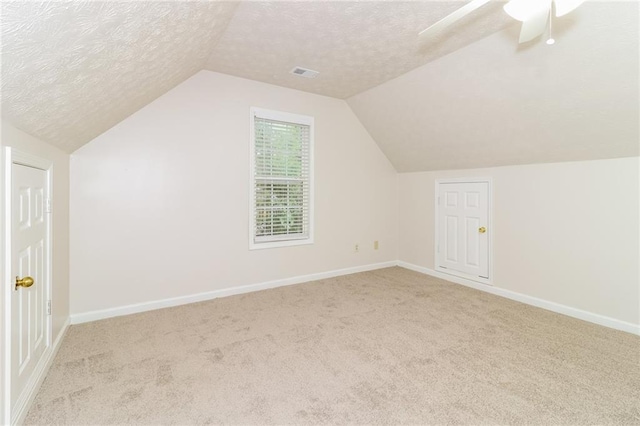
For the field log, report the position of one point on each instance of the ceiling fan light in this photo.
(524, 10)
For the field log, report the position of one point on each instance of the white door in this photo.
(29, 284)
(463, 229)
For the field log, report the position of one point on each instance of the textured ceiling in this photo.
(71, 70)
(354, 45)
(495, 103)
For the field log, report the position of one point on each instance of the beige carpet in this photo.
(385, 347)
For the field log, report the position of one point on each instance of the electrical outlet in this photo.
(356, 248)
(375, 245)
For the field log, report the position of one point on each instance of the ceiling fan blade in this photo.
(518, 9)
(565, 6)
(534, 26)
(455, 16)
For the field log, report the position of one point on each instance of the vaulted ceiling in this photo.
(354, 45)
(495, 103)
(71, 70)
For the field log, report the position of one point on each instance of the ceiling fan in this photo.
(532, 13)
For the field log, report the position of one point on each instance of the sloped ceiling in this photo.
(354, 45)
(71, 70)
(495, 103)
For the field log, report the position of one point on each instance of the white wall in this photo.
(159, 203)
(565, 232)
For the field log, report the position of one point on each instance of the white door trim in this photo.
(489, 182)
(13, 156)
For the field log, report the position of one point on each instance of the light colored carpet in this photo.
(384, 347)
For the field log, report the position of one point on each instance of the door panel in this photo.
(29, 318)
(451, 240)
(473, 242)
(462, 211)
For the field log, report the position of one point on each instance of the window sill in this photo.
(276, 244)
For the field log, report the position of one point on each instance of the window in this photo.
(281, 206)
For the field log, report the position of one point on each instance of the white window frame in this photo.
(289, 118)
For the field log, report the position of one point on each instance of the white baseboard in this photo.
(530, 300)
(31, 390)
(200, 297)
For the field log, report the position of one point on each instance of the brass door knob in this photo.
(482, 230)
(24, 282)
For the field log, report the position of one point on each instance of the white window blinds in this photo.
(281, 178)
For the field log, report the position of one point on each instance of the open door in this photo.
(27, 281)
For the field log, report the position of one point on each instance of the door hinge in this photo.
(48, 307)
(47, 207)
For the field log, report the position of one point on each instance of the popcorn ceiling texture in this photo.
(71, 70)
(354, 45)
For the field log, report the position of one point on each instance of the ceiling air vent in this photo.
(303, 72)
